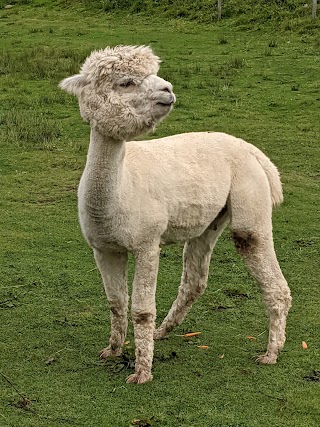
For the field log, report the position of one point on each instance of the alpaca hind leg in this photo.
(260, 258)
(144, 311)
(196, 260)
(250, 207)
(113, 269)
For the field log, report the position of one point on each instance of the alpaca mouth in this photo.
(165, 104)
(168, 100)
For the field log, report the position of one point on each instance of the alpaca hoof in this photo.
(140, 378)
(267, 359)
(160, 334)
(108, 352)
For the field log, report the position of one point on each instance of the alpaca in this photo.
(135, 196)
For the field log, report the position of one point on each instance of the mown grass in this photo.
(260, 85)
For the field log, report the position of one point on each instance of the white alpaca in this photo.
(137, 195)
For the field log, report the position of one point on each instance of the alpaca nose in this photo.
(167, 87)
(160, 90)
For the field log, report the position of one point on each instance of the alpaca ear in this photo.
(73, 84)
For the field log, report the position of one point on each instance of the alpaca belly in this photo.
(176, 234)
(189, 223)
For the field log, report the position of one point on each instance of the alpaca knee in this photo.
(245, 242)
(192, 293)
(287, 299)
(143, 318)
(118, 310)
(278, 300)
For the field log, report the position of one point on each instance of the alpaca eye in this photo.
(127, 83)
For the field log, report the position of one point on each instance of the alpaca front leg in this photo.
(113, 269)
(144, 312)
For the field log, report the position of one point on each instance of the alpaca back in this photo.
(271, 172)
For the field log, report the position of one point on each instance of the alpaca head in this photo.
(119, 91)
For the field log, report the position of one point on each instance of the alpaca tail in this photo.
(271, 172)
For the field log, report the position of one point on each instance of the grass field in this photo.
(260, 85)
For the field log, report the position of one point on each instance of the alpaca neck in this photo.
(104, 168)
(105, 154)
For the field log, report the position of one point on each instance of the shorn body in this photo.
(135, 196)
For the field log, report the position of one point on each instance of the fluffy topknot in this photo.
(115, 63)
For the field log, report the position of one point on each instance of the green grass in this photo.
(245, 12)
(260, 85)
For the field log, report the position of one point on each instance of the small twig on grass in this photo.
(117, 388)
(282, 400)
(25, 402)
(12, 385)
(16, 286)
